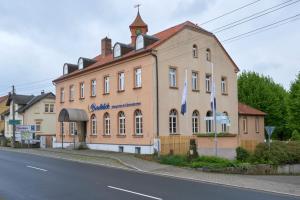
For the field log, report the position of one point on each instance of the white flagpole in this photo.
(214, 107)
(187, 118)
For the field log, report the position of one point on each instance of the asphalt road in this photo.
(30, 177)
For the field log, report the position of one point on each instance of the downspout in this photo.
(157, 97)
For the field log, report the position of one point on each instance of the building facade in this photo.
(130, 94)
(3, 109)
(33, 110)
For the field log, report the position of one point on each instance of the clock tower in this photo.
(137, 27)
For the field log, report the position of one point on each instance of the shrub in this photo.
(279, 153)
(212, 162)
(295, 136)
(242, 154)
(176, 160)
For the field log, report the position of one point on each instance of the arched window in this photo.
(195, 51)
(65, 69)
(224, 122)
(208, 55)
(173, 121)
(195, 121)
(209, 122)
(80, 63)
(117, 50)
(106, 124)
(138, 121)
(94, 125)
(139, 43)
(121, 123)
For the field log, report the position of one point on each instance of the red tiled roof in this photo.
(162, 36)
(248, 110)
(138, 22)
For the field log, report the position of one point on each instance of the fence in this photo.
(249, 145)
(175, 144)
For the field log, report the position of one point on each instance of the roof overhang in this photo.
(72, 115)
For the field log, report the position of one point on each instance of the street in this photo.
(24, 176)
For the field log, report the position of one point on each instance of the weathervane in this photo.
(137, 6)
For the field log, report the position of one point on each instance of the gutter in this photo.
(157, 97)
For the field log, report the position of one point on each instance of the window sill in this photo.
(82, 98)
(121, 136)
(137, 136)
(195, 90)
(93, 135)
(245, 132)
(93, 96)
(136, 88)
(71, 100)
(225, 94)
(174, 134)
(62, 102)
(208, 92)
(106, 136)
(174, 88)
(105, 93)
(120, 91)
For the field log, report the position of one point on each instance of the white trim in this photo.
(128, 148)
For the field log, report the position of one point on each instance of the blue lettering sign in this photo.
(106, 106)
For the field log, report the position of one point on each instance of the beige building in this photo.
(33, 110)
(130, 94)
(3, 109)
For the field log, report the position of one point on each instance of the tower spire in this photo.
(138, 26)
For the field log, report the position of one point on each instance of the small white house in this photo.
(33, 110)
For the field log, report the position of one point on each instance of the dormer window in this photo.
(139, 43)
(117, 51)
(65, 69)
(80, 63)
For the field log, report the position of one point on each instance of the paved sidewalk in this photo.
(279, 184)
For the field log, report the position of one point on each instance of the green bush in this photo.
(176, 160)
(279, 153)
(295, 136)
(212, 162)
(242, 154)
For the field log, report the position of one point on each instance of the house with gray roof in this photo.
(33, 110)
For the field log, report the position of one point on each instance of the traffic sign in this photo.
(270, 130)
(14, 122)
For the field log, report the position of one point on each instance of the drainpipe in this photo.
(157, 97)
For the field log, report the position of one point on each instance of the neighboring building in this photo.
(3, 108)
(34, 110)
(251, 124)
(125, 98)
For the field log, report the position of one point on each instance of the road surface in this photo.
(31, 177)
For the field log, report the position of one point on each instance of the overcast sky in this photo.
(37, 37)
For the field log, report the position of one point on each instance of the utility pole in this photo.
(213, 101)
(14, 116)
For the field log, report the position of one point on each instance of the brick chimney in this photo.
(106, 46)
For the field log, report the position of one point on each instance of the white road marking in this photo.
(44, 170)
(132, 192)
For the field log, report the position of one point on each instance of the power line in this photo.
(260, 28)
(230, 12)
(252, 17)
(242, 37)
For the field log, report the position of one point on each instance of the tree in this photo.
(263, 93)
(295, 136)
(293, 105)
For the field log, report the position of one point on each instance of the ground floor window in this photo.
(138, 118)
(121, 123)
(94, 124)
(173, 121)
(224, 124)
(73, 128)
(106, 124)
(195, 121)
(209, 122)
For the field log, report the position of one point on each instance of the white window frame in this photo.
(121, 78)
(117, 50)
(138, 122)
(172, 77)
(173, 121)
(72, 92)
(73, 127)
(208, 83)
(81, 90)
(209, 124)
(139, 42)
(195, 51)
(38, 126)
(93, 88)
(195, 81)
(94, 125)
(47, 108)
(223, 85)
(195, 122)
(138, 77)
(106, 124)
(224, 126)
(122, 123)
(106, 85)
